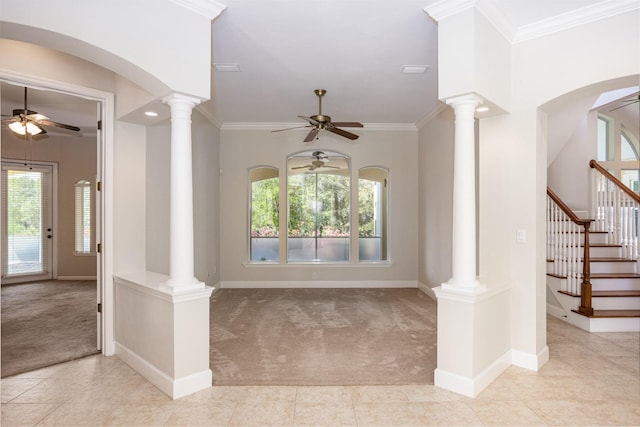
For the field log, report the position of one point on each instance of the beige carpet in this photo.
(322, 337)
(45, 323)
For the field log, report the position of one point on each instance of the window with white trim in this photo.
(618, 152)
(83, 216)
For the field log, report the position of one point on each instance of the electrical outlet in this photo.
(314, 275)
(521, 235)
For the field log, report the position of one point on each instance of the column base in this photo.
(474, 337)
(470, 287)
(164, 333)
(179, 285)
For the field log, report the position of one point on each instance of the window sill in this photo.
(316, 264)
(84, 253)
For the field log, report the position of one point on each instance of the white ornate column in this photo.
(464, 197)
(181, 258)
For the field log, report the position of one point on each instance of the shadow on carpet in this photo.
(45, 323)
(322, 337)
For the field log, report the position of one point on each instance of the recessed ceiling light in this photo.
(227, 68)
(482, 109)
(415, 69)
(151, 113)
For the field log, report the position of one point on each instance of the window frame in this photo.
(275, 174)
(307, 154)
(383, 212)
(82, 214)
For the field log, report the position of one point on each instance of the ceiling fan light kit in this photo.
(25, 128)
(323, 122)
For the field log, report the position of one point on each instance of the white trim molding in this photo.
(553, 24)
(574, 18)
(278, 126)
(312, 284)
(208, 8)
(174, 388)
(472, 387)
(446, 8)
(530, 361)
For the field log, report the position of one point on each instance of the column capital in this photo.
(468, 99)
(179, 98)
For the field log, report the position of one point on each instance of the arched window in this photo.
(83, 216)
(264, 211)
(319, 216)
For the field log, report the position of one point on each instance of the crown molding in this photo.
(390, 126)
(208, 8)
(604, 9)
(209, 116)
(445, 8)
(497, 18)
(278, 126)
(258, 125)
(431, 115)
(574, 18)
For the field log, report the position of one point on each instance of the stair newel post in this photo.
(585, 294)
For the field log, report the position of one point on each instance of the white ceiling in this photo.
(353, 48)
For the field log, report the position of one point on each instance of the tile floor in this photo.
(596, 385)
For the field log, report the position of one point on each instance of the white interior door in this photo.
(27, 221)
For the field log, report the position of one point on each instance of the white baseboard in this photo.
(472, 387)
(427, 290)
(319, 284)
(530, 361)
(76, 278)
(174, 388)
(556, 312)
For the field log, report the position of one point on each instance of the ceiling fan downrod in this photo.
(320, 117)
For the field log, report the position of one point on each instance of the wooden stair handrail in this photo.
(572, 216)
(586, 307)
(595, 165)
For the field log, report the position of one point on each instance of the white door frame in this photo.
(104, 236)
(52, 208)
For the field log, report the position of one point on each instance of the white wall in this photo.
(568, 175)
(243, 149)
(205, 148)
(513, 166)
(129, 205)
(435, 199)
(92, 36)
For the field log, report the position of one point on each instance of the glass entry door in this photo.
(27, 230)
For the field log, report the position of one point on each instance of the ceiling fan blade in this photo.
(295, 127)
(344, 133)
(312, 135)
(58, 125)
(347, 124)
(303, 167)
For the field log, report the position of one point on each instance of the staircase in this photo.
(603, 293)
